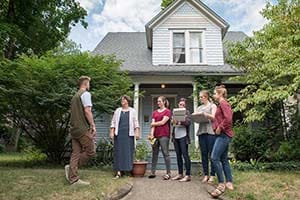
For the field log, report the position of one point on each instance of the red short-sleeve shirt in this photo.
(164, 130)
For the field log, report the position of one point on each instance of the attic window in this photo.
(178, 48)
(196, 48)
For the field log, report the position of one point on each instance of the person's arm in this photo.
(89, 116)
(113, 126)
(136, 126)
(152, 129)
(162, 122)
(213, 113)
(137, 133)
(227, 113)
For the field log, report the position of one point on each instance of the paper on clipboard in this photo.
(179, 114)
(199, 118)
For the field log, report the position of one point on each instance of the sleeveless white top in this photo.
(205, 127)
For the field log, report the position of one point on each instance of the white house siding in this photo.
(102, 123)
(185, 17)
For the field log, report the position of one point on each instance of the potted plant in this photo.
(140, 163)
(196, 167)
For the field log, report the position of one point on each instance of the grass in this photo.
(251, 185)
(48, 182)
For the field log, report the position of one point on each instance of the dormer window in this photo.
(178, 48)
(187, 47)
(196, 48)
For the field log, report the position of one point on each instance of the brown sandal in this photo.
(218, 191)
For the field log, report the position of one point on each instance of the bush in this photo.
(250, 143)
(269, 166)
(35, 94)
(2, 148)
(288, 151)
(104, 154)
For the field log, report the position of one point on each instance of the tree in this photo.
(165, 3)
(270, 61)
(35, 94)
(33, 26)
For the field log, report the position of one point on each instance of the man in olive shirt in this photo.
(82, 131)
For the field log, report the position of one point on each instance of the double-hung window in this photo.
(196, 48)
(188, 47)
(179, 48)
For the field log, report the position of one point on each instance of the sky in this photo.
(131, 15)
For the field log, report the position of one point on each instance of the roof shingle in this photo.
(131, 48)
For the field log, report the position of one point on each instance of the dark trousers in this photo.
(206, 143)
(219, 158)
(182, 150)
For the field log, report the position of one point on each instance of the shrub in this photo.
(250, 143)
(35, 94)
(104, 154)
(288, 151)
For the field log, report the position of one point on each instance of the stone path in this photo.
(158, 189)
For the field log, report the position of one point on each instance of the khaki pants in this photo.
(83, 149)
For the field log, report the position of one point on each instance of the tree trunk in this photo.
(12, 146)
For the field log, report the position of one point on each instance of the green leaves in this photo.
(270, 60)
(36, 26)
(35, 93)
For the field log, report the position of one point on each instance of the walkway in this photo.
(158, 189)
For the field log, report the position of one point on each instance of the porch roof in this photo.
(131, 48)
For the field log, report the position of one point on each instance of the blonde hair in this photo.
(164, 100)
(82, 79)
(221, 90)
(206, 93)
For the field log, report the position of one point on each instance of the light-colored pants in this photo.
(83, 149)
(164, 143)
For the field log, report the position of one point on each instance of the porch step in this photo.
(161, 162)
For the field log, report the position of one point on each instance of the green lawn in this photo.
(50, 184)
(252, 185)
(34, 182)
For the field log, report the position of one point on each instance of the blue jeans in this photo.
(219, 158)
(182, 150)
(206, 143)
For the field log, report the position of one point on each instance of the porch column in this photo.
(196, 125)
(136, 103)
(136, 98)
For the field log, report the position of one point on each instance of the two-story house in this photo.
(181, 42)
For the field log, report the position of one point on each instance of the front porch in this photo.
(148, 89)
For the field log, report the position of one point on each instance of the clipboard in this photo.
(199, 118)
(179, 114)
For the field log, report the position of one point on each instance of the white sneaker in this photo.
(81, 182)
(67, 171)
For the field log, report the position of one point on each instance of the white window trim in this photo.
(187, 46)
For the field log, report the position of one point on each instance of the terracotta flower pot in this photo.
(139, 168)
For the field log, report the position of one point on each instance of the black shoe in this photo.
(152, 176)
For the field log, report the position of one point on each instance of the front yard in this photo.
(251, 185)
(50, 184)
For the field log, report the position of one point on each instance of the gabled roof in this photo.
(131, 47)
(204, 9)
